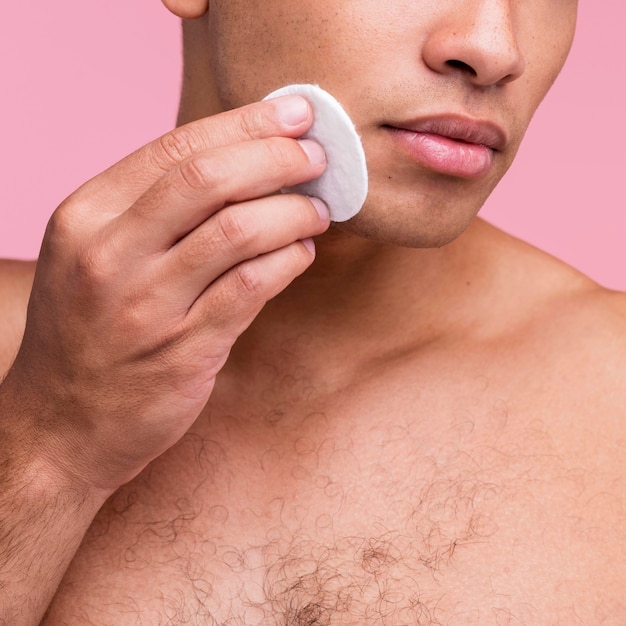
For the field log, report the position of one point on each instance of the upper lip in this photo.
(460, 128)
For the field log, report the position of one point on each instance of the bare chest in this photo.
(451, 513)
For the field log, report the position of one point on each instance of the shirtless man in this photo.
(424, 427)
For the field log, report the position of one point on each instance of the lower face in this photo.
(390, 64)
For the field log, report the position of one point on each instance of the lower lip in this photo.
(445, 155)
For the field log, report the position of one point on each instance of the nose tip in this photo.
(478, 42)
(485, 68)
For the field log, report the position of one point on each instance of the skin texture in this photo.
(423, 426)
(386, 64)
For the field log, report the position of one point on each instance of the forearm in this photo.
(43, 518)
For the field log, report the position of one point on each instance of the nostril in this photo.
(460, 65)
(507, 79)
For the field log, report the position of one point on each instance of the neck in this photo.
(360, 302)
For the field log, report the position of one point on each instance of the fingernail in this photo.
(309, 245)
(292, 110)
(321, 208)
(314, 151)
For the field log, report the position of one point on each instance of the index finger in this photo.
(123, 183)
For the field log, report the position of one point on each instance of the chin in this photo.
(411, 222)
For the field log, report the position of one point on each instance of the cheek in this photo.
(547, 39)
(259, 46)
(545, 50)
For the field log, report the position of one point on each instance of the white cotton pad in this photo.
(343, 185)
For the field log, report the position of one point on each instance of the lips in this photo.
(452, 145)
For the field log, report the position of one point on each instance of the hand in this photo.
(147, 276)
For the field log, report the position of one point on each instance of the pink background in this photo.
(86, 82)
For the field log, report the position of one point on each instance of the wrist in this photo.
(31, 455)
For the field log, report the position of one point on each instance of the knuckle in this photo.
(249, 281)
(282, 154)
(232, 229)
(68, 230)
(137, 318)
(88, 257)
(176, 146)
(199, 173)
(252, 122)
(62, 225)
(94, 264)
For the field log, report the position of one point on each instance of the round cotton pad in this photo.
(343, 185)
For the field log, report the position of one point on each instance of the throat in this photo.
(361, 300)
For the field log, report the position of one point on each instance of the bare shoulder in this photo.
(587, 323)
(16, 278)
(576, 327)
(560, 345)
(601, 319)
(559, 355)
(548, 297)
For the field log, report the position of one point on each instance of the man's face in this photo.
(427, 83)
